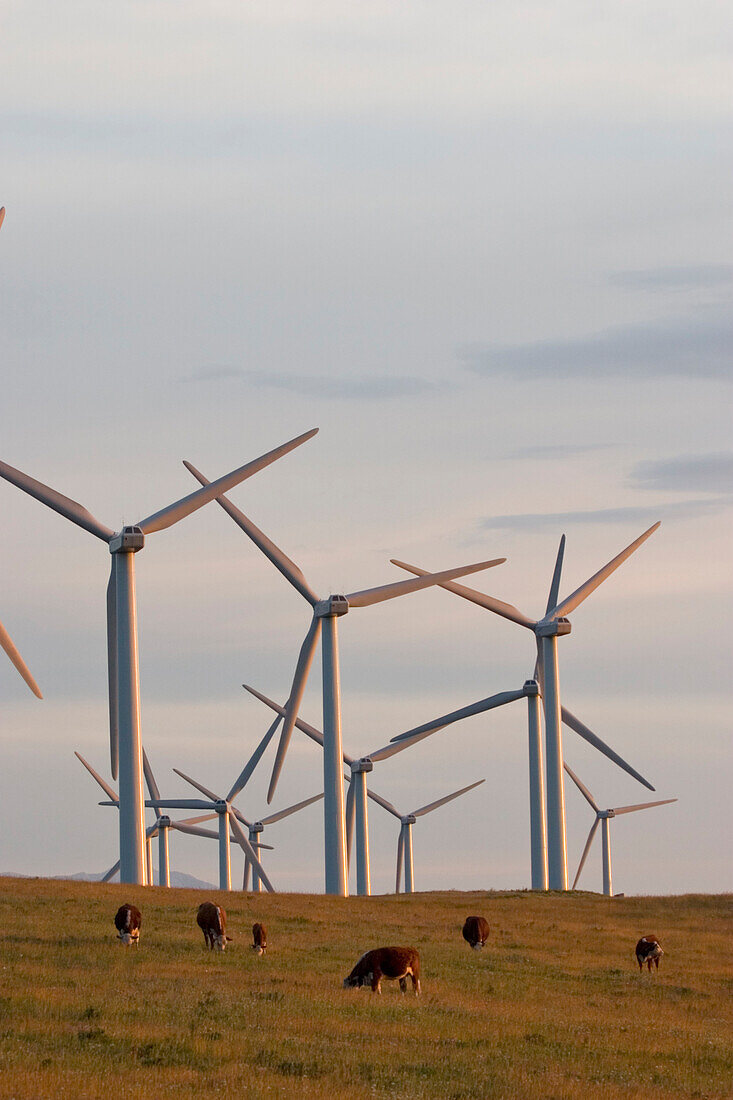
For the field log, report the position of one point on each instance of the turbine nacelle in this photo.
(363, 765)
(221, 806)
(257, 827)
(334, 605)
(530, 688)
(552, 628)
(408, 819)
(164, 822)
(127, 541)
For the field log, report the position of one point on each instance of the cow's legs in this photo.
(403, 985)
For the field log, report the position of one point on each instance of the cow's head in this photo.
(357, 981)
(128, 938)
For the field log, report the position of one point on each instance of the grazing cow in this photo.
(648, 950)
(259, 936)
(212, 920)
(476, 932)
(127, 923)
(394, 963)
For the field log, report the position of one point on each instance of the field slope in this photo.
(554, 1007)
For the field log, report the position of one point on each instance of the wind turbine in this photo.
(124, 691)
(256, 829)
(356, 799)
(404, 844)
(7, 644)
(603, 817)
(160, 829)
(547, 630)
(326, 612)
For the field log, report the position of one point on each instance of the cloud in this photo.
(688, 347)
(708, 473)
(691, 277)
(365, 388)
(645, 515)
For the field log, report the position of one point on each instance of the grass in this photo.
(554, 1007)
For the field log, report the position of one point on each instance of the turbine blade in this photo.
(641, 806)
(194, 830)
(112, 668)
(305, 727)
(305, 659)
(152, 786)
(582, 593)
(506, 610)
(249, 851)
(105, 786)
(179, 804)
(290, 810)
(2, 214)
(425, 730)
(555, 585)
(400, 853)
(582, 788)
(240, 816)
(112, 871)
(196, 820)
(66, 507)
(383, 803)
(7, 643)
(582, 730)
(253, 761)
(588, 843)
(448, 798)
(198, 786)
(349, 815)
(281, 561)
(426, 580)
(166, 517)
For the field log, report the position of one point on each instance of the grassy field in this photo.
(554, 1007)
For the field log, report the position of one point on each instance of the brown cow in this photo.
(259, 936)
(127, 923)
(476, 932)
(394, 963)
(648, 950)
(212, 920)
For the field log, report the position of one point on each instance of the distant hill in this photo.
(178, 879)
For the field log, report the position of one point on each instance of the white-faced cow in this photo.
(648, 950)
(127, 923)
(212, 920)
(476, 932)
(394, 963)
(259, 937)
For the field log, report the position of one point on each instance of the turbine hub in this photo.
(221, 806)
(164, 822)
(363, 765)
(408, 819)
(531, 687)
(127, 541)
(334, 605)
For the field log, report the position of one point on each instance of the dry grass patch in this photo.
(554, 1007)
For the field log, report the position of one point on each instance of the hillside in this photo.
(554, 1007)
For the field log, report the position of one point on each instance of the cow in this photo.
(648, 950)
(394, 963)
(476, 932)
(212, 920)
(259, 936)
(127, 923)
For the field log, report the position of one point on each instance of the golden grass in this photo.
(554, 1007)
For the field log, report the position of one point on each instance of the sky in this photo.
(485, 249)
